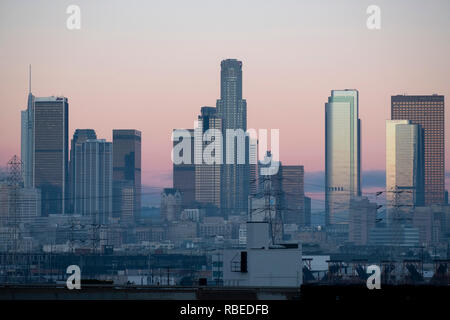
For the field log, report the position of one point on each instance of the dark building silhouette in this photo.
(51, 153)
(184, 175)
(307, 211)
(292, 178)
(428, 112)
(127, 173)
(79, 136)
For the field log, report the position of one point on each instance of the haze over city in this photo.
(151, 66)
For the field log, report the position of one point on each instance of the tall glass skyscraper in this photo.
(232, 109)
(208, 176)
(79, 136)
(428, 112)
(127, 172)
(342, 154)
(404, 166)
(27, 143)
(51, 152)
(93, 179)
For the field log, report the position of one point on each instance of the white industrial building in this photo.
(262, 264)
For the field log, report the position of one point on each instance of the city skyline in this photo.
(200, 149)
(286, 80)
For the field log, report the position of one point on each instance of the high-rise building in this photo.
(428, 112)
(208, 175)
(307, 212)
(93, 179)
(362, 219)
(127, 170)
(27, 140)
(342, 154)
(79, 136)
(253, 170)
(51, 152)
(233, 111)
(292, 181)
(27, 143)
(404, 166)
(184, 174)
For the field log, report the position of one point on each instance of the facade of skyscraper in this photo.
(208, 175)
(51, 152)
(79, 136)
(342, 154)
(404, 166)
(27, 143)
(93, 179)
(362, 219)
(293, 206)
(184, 174)
(253, 166)
(127, 170)
(307, 211)
(428, 112)
(232, 109)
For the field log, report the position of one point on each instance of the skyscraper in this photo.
(27, 140)
(404, 165)
(127, 170)
(253, 166)
(292, 181)
(233, 111)
(342, 154)
(208, 175)
(50, 152)
(93, 179)
(184, 175)
(79, 136)
(428, 112)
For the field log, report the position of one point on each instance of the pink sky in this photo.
(151, 65)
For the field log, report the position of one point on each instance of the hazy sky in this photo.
(151, 65)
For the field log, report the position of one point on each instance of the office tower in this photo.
(27, 139)
(208, 175)
(342, 154)
(127, 172)
(362, 219)
(79, 136)
(293, 206)
(51, 152)
(404, 166)
(253, 167)
(184, 174)
(233, 111)
(307, 211)
(27, 142)
(93, 179)
(428, 112)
